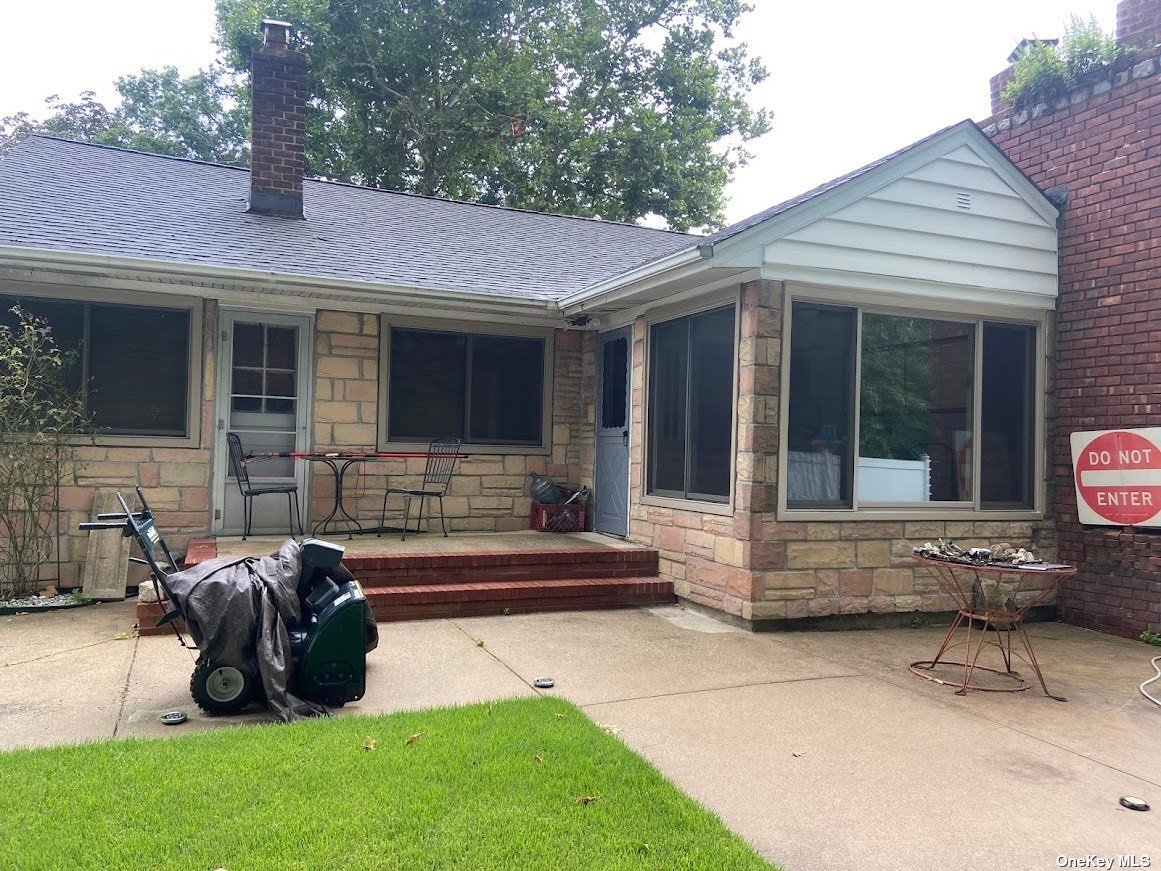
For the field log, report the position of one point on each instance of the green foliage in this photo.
(519, 784)
(38, 416)
(1044, 72)
(1150, 637)
(204, 116)
(617, 110)
(1039, 75)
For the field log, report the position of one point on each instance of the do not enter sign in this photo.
(1118, 477)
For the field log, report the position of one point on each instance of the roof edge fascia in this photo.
(270, 281)
(639, 278)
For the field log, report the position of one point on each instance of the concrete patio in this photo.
(818, 747)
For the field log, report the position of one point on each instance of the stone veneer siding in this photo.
(752, 566)
(175, 479)
(1101, 142)
(489, 492)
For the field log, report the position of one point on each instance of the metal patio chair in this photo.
(441, 462)
(249, 491)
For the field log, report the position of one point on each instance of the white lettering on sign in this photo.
(1136, 457)
(1113, 499)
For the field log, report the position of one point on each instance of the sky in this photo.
(850, 80)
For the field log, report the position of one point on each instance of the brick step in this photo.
(148, 613)
(481, 598)
(505, 566)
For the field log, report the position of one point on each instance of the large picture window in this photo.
(481, 388)
(130, 362)
(691, 393)
(882, 411)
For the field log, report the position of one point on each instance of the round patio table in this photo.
(995, 609)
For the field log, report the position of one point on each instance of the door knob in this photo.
(625, 437)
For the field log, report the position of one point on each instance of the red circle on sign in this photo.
(1115, 474)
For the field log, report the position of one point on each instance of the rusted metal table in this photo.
(338, 462)
(995, 609)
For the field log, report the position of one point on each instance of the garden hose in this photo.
(1157, 676)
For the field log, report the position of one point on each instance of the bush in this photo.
(38, 418)
(1044, 72)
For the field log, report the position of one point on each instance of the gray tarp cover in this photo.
(238, 611)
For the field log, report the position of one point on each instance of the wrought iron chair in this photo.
(441, 462)
(250, 491)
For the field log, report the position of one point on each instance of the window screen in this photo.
(132, 362)
(691, 391)
(483, 389)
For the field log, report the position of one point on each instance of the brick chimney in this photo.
(278, 124)
(1139, 22)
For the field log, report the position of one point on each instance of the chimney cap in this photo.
(1024, 43)
(276, 32)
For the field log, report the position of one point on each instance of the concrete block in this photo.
(107, 557)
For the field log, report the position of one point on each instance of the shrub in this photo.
(1043, 72)
(38, 418)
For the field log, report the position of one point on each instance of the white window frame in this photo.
(938, 309)
(720, 299)
(548, 334)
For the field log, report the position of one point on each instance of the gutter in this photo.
(41, 258)
(596, 294)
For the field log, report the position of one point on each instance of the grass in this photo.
(482, 787)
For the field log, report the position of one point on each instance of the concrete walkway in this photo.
(820, 748)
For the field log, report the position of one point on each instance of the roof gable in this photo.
(975, 159)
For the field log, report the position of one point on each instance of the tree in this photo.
(617, 110)
(198, 116)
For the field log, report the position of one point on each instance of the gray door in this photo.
(264, 398)
(613, 398)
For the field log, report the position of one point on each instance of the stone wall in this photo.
(1101, 143)
(862, 567)
(489, 492)
(175, 479)
(750, 565)
(715, 559)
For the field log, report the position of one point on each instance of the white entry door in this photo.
(264, 397)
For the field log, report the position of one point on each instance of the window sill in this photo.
(888, 514)
(132, 441)
(722, 509)
(472, 450)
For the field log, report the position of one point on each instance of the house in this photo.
(1098, 145)
(781, 409)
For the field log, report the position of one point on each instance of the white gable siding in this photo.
(953, 222)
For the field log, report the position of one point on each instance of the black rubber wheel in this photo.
(220, 690)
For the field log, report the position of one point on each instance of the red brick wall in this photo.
(1104, 143)
(1139, 22)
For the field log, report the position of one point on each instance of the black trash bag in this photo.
(238, 611)
(545, 490)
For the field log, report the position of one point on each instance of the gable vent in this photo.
(963, 200)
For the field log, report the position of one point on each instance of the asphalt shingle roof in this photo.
(76, 197)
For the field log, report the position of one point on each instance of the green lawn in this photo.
(482, 787)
